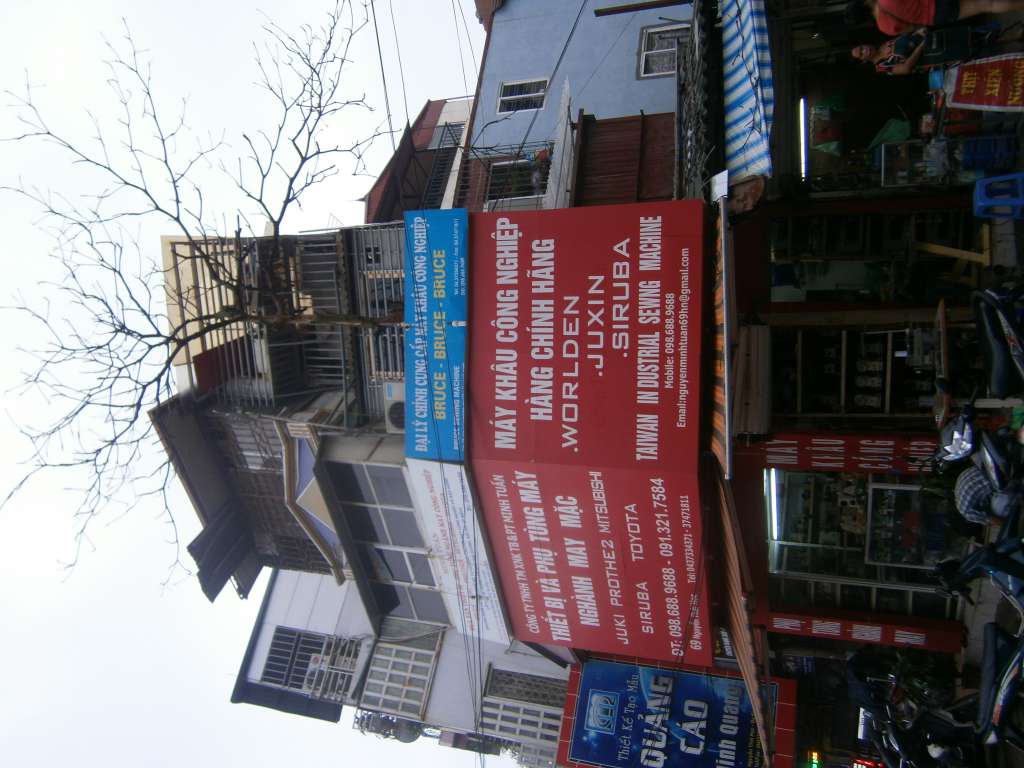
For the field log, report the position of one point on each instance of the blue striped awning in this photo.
(749, 92)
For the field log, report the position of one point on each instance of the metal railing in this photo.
(334, 311)
(490, 176)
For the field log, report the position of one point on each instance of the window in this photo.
(383, 525)
(397, 566)
(398, 680)
(407, 602)
(521, 707)
(526, 94)
(518, 178)
(391, 547)
(320, 665)
(519, 686)
(519, 722)
(658, 49)
(389, 484)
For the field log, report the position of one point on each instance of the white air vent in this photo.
(394, 406)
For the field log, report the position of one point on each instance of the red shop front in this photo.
(851, 532)
(583, 423)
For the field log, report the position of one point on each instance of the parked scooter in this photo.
(1002, 339)
(907, 725)
(992, 486)
(1000, 699)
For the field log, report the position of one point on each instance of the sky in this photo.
(108, 663)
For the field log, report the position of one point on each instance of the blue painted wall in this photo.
(600, 64)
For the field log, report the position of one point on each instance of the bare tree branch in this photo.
(114, 326)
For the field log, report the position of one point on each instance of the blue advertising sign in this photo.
(629, 715)
(436, 309)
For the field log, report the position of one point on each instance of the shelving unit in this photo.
(853, 257)
(854, 373)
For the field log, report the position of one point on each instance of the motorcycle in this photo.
(1000, 699)
(992, 486)
(902, 699)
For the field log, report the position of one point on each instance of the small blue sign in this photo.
(630, 715)
(436, 309)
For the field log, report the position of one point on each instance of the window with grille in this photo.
(446, 135)
(533, 689)
(658, 49)
(517, 178)
(398, 681)
(520, 722)
(320, 665)
(525, 94)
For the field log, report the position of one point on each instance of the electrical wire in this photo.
(458, 39)
(469, 38)
(398, 51)
(383, 77)
(536, 112)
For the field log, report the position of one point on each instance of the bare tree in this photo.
(112, 342)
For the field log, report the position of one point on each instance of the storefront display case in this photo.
(907, 526)
(832, 543)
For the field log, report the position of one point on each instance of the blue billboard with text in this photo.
(632, 715)
(435, 337)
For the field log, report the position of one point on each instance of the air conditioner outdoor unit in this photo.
(394, 407)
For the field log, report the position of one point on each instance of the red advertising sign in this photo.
(583, 423)
(833, 452)
(994, 83)
(911, 632)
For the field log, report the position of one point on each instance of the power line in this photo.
(398, 51)
(469, 39)
(458, 39)
(383, 78)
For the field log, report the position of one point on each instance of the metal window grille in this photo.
(501, 173)
(321, 665)
(518, 178)
(446, 136)
(378, 259)
(249, 442)
(525, 723)
(536, 755)
(658, 49)
(398, 680)
(533, 689)
(526, 94)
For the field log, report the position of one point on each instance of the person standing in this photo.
(894, 17)
(924, 49)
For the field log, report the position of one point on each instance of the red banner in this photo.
(995, 83)
(834, 452)
(583, 423)
(911, 632)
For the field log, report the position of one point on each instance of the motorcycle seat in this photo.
(1003, 377)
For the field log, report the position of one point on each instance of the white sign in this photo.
(442, 496)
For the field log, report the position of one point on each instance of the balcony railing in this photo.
(491, 176)
(333, 324)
